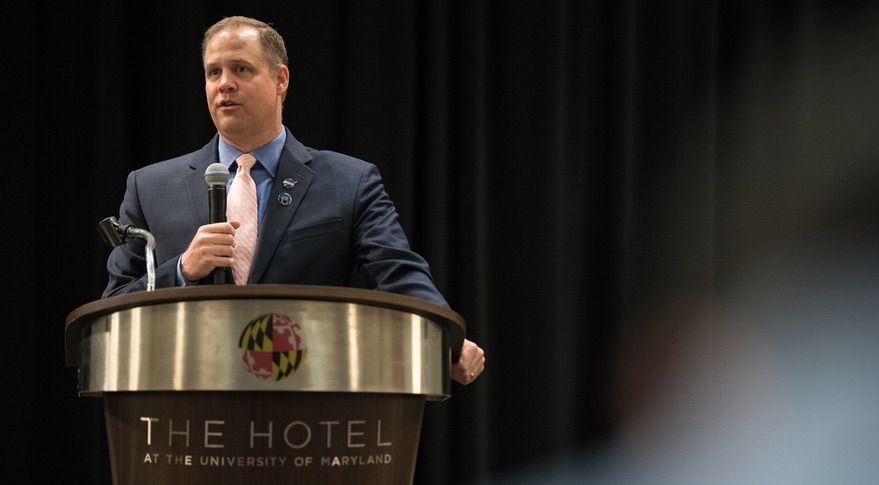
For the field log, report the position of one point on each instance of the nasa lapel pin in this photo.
(285, 199)
(289, 183)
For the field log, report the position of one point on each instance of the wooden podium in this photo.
(263, 384)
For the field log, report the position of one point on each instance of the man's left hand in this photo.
(470, 364)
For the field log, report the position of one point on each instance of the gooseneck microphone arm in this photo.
(115, 234)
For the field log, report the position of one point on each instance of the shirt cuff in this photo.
(181, 281)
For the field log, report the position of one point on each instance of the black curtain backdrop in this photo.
(600, 188)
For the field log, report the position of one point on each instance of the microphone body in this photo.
(217, 203)
(216, 177)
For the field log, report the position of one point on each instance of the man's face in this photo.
(244, 96)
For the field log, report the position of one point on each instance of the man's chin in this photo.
(231, 129)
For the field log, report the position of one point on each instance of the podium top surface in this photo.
(449, 319)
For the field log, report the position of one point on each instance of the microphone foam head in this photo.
(216, 174)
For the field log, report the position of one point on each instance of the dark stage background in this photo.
(658, 218)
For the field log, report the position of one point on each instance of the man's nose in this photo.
(227, 83)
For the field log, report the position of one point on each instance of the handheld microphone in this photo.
(216, 176)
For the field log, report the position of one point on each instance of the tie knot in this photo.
(245, 161)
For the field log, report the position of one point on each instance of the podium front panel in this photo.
(266, 438)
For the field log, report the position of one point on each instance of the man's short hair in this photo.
(271, 41)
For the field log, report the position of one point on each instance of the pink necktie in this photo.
(241, 206)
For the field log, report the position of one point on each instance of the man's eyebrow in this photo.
(238, 60)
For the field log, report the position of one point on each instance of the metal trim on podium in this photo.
(263, 383)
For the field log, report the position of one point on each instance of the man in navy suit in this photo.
(323, 216)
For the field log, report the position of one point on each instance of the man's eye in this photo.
(213, 72)
(241, 69)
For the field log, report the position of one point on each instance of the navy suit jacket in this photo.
(340, 222)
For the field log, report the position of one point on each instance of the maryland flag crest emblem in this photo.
(272, 346)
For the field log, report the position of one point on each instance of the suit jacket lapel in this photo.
(277, 217)
(195, 184)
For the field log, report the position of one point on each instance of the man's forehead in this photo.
(241, 41)
(234, 38)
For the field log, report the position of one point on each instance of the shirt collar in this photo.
(268, 155)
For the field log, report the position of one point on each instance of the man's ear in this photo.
(283, 79)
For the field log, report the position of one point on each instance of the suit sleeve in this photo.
(126, 264)
(381, 249)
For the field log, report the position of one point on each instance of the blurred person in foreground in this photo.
(770, 379)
